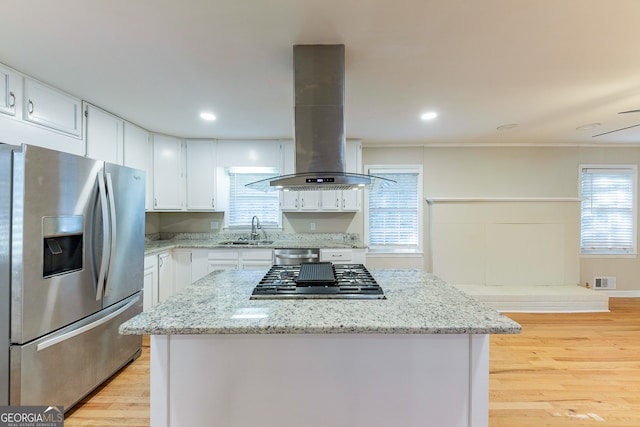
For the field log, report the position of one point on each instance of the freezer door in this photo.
(126, 190)
(63, 367)
(52, 279)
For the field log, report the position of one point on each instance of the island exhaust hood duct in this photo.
(319, 125)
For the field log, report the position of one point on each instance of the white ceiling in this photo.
(548, 65)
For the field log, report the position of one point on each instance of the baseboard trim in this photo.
(540, 299)
(614, 293)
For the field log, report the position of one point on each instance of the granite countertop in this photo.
(417, 303)
(279, 240)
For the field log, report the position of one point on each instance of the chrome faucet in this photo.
(255, 226)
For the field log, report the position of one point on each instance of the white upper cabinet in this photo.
(330, 200)
(300, 201)
(46, 127)
(49, 107)
(200, 174)
(289, 201)
(184, 174)
(138, 155)
(345, 200)
(9, 90)
(168, 178)
(309, 200)
(327, 200)
(351, 200)
(104, 135)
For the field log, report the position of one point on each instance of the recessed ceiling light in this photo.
(208, 116)
(507, 127)
(429, 115)
(589, 126)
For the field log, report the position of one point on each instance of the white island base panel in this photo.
(319, 380)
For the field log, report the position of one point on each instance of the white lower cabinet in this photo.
(343, 256)
(204, 261)
(199, 264)
(150, 289)
(158, 278)
(165, 275)
(243, 259)
(255, 259)
(182, 269)
(169, 272)
(222, 259)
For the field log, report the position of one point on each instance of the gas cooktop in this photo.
(318, 280)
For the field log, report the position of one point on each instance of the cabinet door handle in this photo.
(213, 204)
(337, 202)
(30, 107)
(12, 99)
(302, 202)
(155, 202)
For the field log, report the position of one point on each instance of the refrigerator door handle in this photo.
(105, 234)
(60, 338)
(112, 221)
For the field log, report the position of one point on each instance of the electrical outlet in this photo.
(213, 225)
(312, 226)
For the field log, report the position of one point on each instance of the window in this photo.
(393, 213)
(245, 202)
(608, 209)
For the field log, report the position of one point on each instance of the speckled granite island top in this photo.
(416, 303)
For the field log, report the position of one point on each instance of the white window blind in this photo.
(393, 211)
(608, 213)
(245, 202)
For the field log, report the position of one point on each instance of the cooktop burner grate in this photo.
(318, 280)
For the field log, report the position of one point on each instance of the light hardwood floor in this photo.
(121, 401)
(568, 369)
(563, 370)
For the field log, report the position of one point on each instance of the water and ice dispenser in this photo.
(62, 244)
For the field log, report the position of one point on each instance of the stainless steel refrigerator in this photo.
(71, 271)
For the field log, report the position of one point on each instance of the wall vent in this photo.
(604, 282)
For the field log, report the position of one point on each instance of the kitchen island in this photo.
(418, 358)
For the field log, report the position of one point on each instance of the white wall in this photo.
(508, 215)
(626, 270)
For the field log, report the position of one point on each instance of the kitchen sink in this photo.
(248, 242)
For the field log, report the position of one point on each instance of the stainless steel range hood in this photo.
(319, 125)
